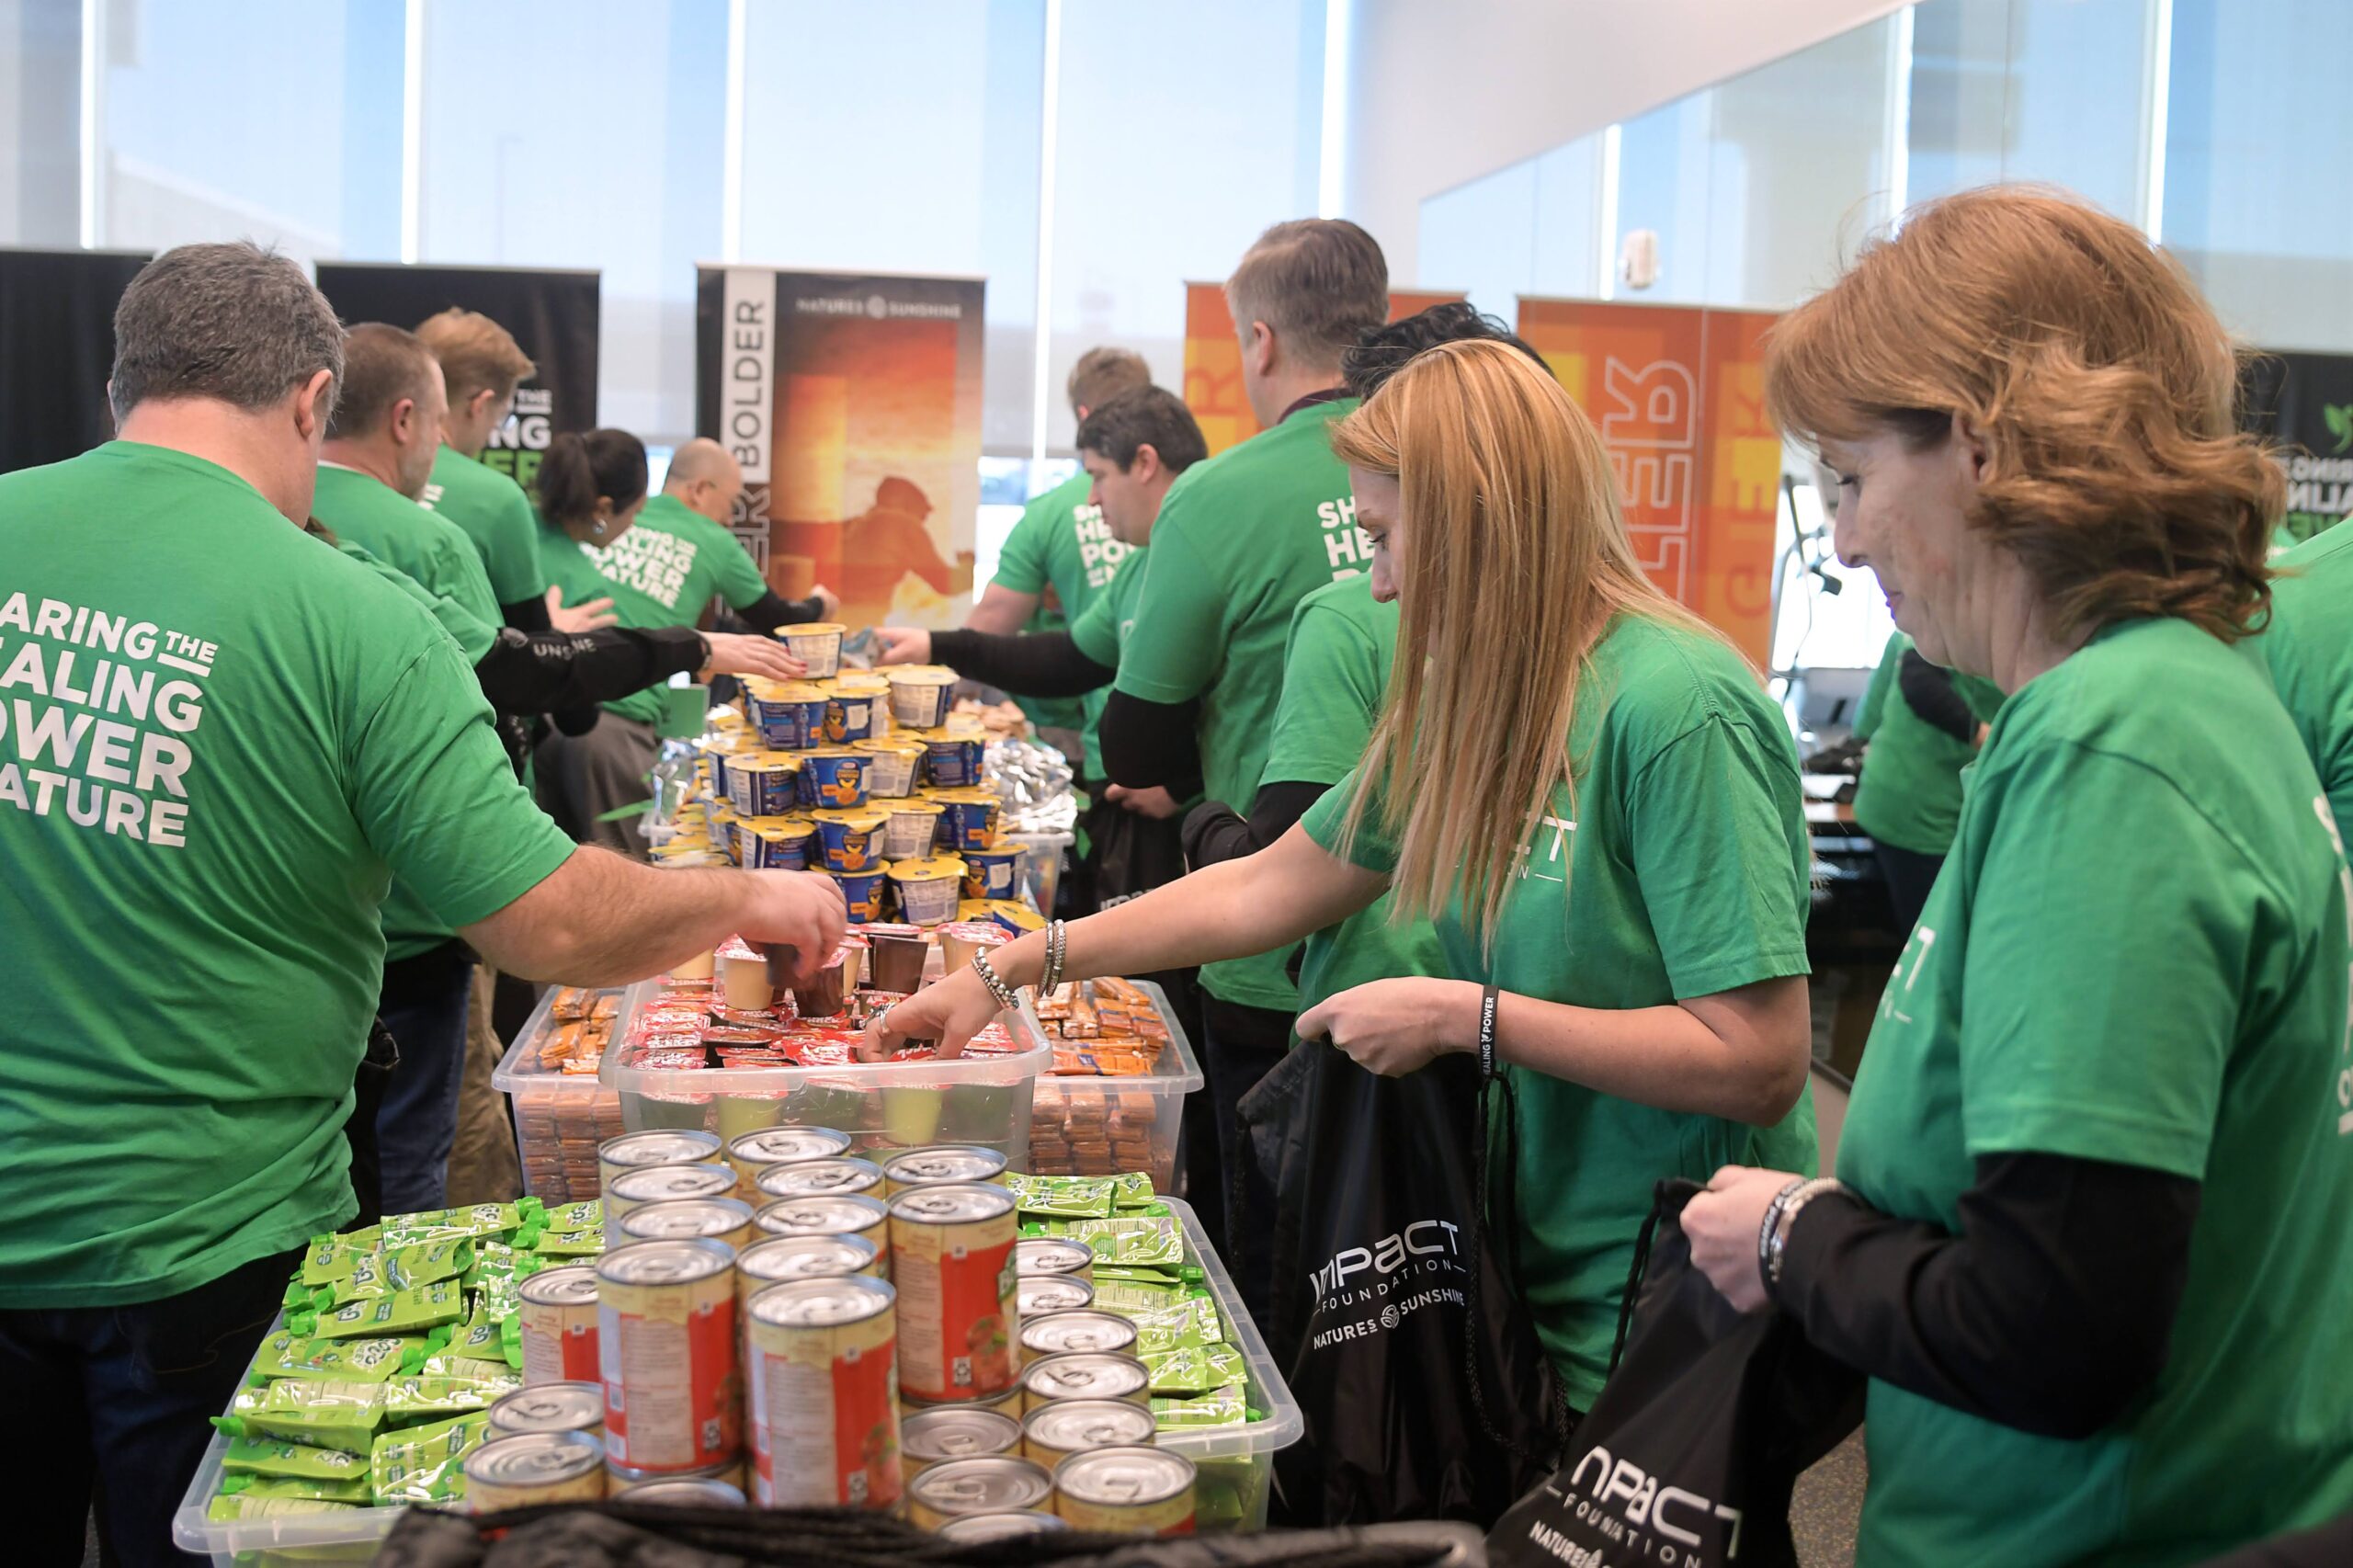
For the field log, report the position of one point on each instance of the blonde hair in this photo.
(1515, 562)
(476, 353)
(2097, 376)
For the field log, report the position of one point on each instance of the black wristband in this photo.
(1487, 1031)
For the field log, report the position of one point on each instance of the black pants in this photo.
(1909, 876)
(1239, 1046)
(120, 1396)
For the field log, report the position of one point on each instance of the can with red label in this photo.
(1130, 1491)
(666, 1341)
(951, 1255)
(824, 1395)
(556, 1312)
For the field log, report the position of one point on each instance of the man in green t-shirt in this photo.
(665, 570)
(1923, 723)
(2309, 644)
(480, 366)
(221, 741)
(1060, 557)
(1242, 539)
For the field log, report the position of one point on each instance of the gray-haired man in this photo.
(218, 739)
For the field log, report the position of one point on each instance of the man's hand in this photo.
(593, 616)
(1723, 1224)
(733, 654)
(801, 910)
(1155, 803)
(829, 603)
(1393, 1026)
(902, 645)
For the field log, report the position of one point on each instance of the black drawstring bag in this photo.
(1425, 1393)
(1690, 1453)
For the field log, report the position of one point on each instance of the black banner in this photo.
(2304, 403)
(56, 351)
(553, 316)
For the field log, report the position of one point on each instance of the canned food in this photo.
(832, 1214)
(837, 777)
(628, 1480)
(818, 1179)
(534, 1467)
(929, 888)
(894, 768)
(1133, 1491)
(1077, 1333)
(666, 1338)
(824, 1396)
(1001, 1527)
(910, 828)
(993, 873)
(1085, 1377)
(552, 1407)
(782, 1259)
(946, 1165)
(921, 695)
(697, 1493)
(1043, 1295)
(725, 1220)
(1005, 1404)
(861, 894)
(951, 759)
(555, 1312)
(663, 1184)
(951, 1255)
(1054, 1256)
(999, 1485)
(1051, 1433)
(754, 1152)
(945, 1432)
(656, 1146)
(817, 644)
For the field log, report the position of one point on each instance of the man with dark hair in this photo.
(224, 739)
(1381, 353)
(1060, 555)
(480, 366)
(1242, 538)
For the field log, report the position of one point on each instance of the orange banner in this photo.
(1678, 393)
(853, 402)
(1213, 359)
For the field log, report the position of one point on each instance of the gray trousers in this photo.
(583, 777)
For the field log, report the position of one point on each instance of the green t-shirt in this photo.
(1909, 795)
(221, 738)
(365, 511)
(1064, 543)
(1101, 630)
(2136, 954)
(1335, 669)
(2309, 645)
(1678, 869)
(492, 511)
(663, 572)
(1241, 538)
(446, 613)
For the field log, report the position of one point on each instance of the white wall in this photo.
(1441, 93)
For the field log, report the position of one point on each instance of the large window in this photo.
(40, 63)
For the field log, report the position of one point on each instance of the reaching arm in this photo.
(1217, 832)
(602, 920)
(772, 610)
(1030, 664)
(527, 616)
(1147, 742)
(550, 672)
(1003, 610)
(1255, 906)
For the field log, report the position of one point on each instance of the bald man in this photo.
(663, 572)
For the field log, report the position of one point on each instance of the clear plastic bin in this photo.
(1236, 1464)
(559, 1117)
(1142, 1115)
(1041, 867)
(883, 1105)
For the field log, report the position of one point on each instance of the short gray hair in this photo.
(1319, 282)
(234, 323)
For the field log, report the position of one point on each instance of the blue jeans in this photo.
(424, 1006)
(119, 1395)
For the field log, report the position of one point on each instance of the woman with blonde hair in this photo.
(1579, 782)
(2089, 1234)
